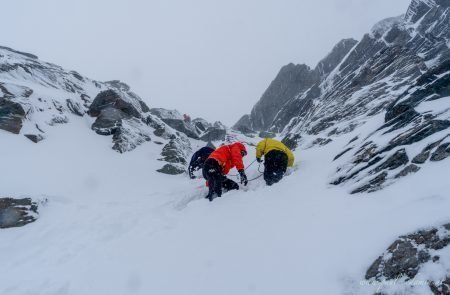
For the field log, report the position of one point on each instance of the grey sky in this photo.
(205, 57)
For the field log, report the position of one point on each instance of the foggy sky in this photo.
(208, 58)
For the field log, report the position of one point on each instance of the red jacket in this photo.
(229, 156)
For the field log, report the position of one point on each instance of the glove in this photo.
(243, 177)
(259, 160)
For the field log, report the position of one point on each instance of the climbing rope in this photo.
(262, 172)
(256, 177)
(236, 175)
(259, 167)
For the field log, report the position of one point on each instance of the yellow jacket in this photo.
(268, 144)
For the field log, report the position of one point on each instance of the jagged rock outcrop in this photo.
(36, 95)
(196, 129)
(216, 132)
(175, 153)
(121, 116)
(34, 137)
(403, 260)
(17, 212)
(390, 90)
(280, 102)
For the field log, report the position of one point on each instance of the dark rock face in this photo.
(399, 158)
(404, 258)
(408, 170)
(11, 116)
(400, 115)
(442, 152)
(34, 137)
(291, 93)
(291, 80)
(291, 141)
(373, 185)
(425, 154)
(399, 70)
(337, 54)
(244, 125)
(17, 212)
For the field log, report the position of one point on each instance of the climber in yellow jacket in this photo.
(277, 157)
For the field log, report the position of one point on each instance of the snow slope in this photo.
(111, 225)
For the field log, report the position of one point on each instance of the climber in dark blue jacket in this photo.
(198, 159)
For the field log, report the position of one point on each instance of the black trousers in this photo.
(212, 172)
(275, 166)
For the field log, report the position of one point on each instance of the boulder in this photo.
(171, 169)
(34, 137)
(17, 212)
(113, 99)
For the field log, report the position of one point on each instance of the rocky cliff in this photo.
(388, 93)
(36, 96)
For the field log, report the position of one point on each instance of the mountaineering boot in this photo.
(210, 196)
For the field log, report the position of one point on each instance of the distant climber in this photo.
(198, 160)
(219, 164)
(277, 157)
(187, 118)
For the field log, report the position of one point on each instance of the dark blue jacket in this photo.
(199, 158)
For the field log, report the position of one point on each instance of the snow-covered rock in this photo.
(17, 212)
(36, 96)
(388, 93)
(410, 255)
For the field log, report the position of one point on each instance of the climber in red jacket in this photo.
(219, 164)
